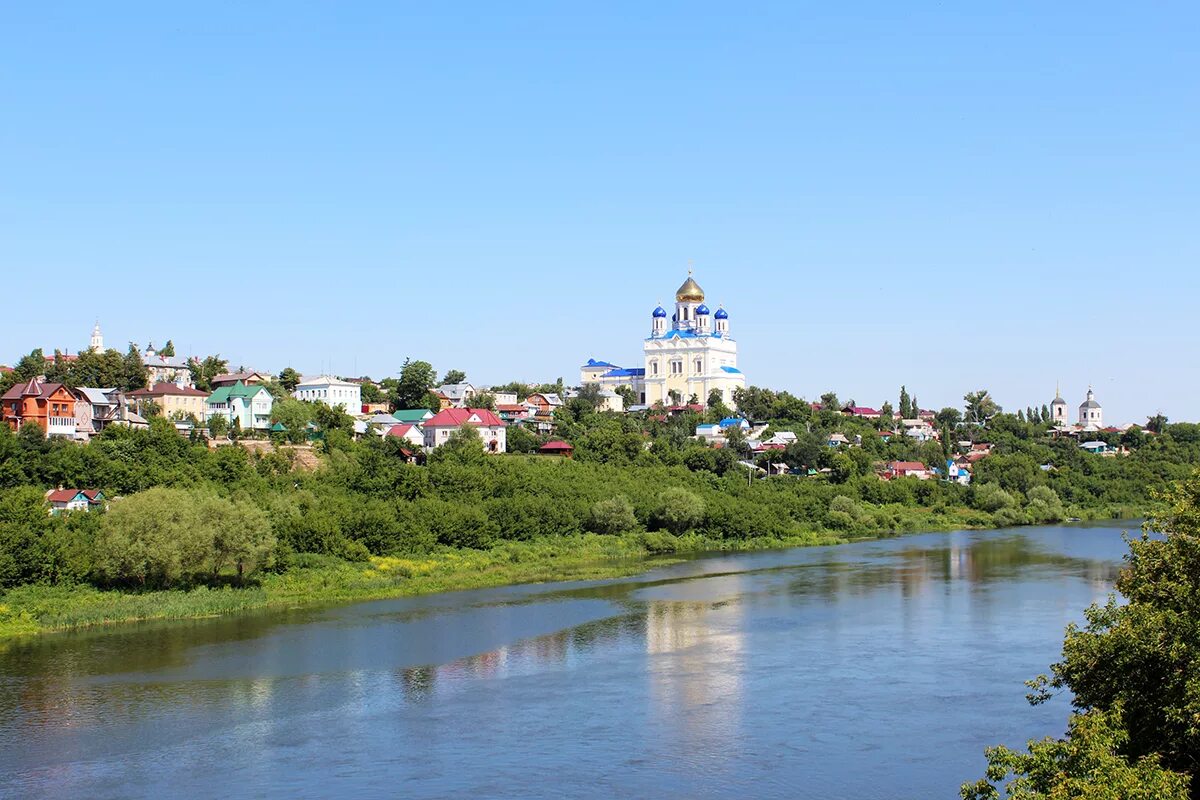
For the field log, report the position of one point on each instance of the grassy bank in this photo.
(316, 580)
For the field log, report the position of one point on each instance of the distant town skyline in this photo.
(946, 198)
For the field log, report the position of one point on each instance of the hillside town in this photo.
(688, 367)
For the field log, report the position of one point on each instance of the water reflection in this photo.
(714, 661)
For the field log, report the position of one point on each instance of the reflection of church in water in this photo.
(696, 673)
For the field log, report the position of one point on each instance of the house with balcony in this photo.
(50, 405)
(248, 406)
(95, 409)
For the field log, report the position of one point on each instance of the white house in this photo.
(459, 394)
(439, 428)
(249, 406)
(330, 391)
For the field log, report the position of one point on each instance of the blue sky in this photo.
(946, 197)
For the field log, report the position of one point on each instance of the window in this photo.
(677, 367)
(653, 371)
(698, 366)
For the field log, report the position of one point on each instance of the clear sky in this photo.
(943, 195)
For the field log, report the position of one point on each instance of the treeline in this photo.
(366, 500)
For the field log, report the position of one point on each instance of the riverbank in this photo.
(320, 580)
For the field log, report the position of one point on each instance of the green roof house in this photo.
(250, 406)
(413, 416)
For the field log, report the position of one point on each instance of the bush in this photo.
(678, 510)
(991, 498)
(614, 515)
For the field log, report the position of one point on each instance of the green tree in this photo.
(168, 349)
(628, 396)
(153, 538)
(416, 380)
(905, 404)
(949, 417)
(1089, 763)
(829, 402)
(205, 370)
(241, 535)
(980, 407)
(678, 509)
(453, 376)
(134, 374)
(289, 379)
(1155, 636)
(613, 515)
(463, 447)
(218, 426)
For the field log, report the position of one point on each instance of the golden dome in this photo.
(690, 291)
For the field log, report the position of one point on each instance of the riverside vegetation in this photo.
(194, 531)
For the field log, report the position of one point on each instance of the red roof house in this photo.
(442, 425)
(74, 499)
(907, 469)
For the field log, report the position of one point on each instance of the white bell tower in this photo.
(97, 344)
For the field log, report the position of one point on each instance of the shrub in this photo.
(678, 509)
(614, 515)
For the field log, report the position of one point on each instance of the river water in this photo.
(870, 670)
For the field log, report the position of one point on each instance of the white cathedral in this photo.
(692, 356)
(1091, 414)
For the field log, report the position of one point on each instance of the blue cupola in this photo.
(702, 309)
(660, 312)
(722, 314)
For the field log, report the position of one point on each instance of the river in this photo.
(871, 670)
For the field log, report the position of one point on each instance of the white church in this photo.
(691, 355)
(1091, 415)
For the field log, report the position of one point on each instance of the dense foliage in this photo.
(1134, 671)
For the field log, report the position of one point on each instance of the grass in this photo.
(317, 580)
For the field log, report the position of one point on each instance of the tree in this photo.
(949, 417)
(613, 515)
(289, 379)
(678, 509)
(241, 535)
(628, 396)
(675, 396)
(134, 374)
(829, 402)
(484, 400)
(905, 404)
(1157, 423)
(715, 399)
(980, 407)
(153, 538)
(590, 394)
(463, 447)
(168, 349)
(204, 371)
(453, 376)
(416, 380)
(218, 426)
(1087, 764)
(1134, 674)
(887, 416)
